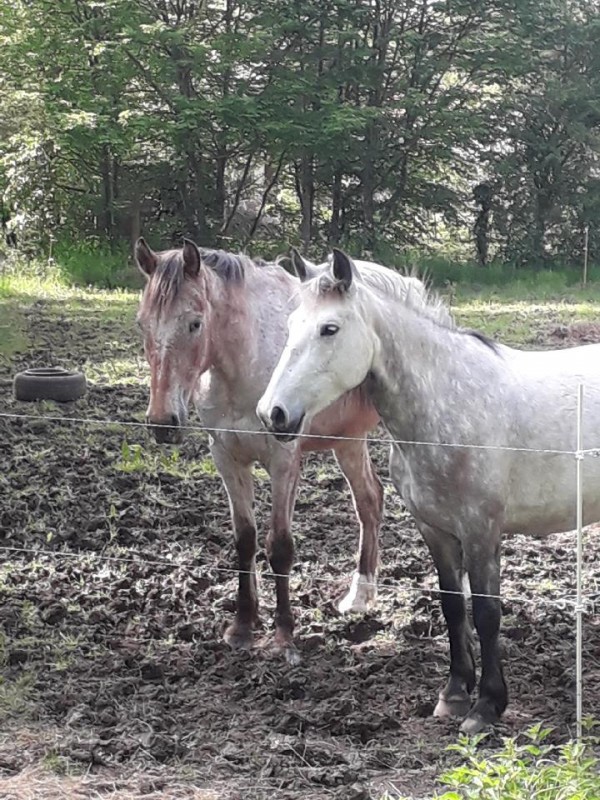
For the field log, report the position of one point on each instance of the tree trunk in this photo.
(483, 197)
(305, 189)
(108, 193)
(368, 185)
(335, 226)
(220, 188)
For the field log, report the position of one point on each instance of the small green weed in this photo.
(55, 763)
(260, 474)
(206, 467)
(16, 696)
(132, 458)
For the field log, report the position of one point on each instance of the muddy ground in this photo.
(116, 584)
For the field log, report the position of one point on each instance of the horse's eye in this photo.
(195, 325)
(329, 330)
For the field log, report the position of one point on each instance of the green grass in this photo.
(84, 264)
(522, 322)
(150, 459)
(97, 264)
(519, 307)
(35, 280)
(13, 338)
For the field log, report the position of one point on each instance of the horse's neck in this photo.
(232, 338)
(420, 367)
(248, 334)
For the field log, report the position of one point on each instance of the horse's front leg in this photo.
(285, 472)
(367, 495)
(237, 478)
(446, 550)
(483, 564)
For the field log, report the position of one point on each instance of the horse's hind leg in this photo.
(367, 495)
(483, 564)
(446, 550)
(285, 473)
(237, 479)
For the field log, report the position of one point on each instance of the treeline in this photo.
(466, 126)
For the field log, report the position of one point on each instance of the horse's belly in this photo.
(542, 507)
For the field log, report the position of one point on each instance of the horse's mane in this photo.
(169, 276)
(230, 267)
(411, 290)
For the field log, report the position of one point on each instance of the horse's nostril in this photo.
(278, 417)
(174, 420)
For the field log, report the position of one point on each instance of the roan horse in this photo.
(435, 383)
(214, 325)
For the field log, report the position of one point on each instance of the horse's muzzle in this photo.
(278, 422)
(166, 431)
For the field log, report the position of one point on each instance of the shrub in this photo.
(533, 770)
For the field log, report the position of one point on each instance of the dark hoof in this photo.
(284, 645)
(239, 637)
(482, 715)
(454, 707)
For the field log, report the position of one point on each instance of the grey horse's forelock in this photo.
(396, 285)
(423, 301)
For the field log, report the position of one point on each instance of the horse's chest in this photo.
(437, 485)
(414, 482)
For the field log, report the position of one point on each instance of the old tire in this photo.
(49, 383)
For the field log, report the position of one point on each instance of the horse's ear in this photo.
(344, 270)
(145, 258)
(192, 260)
(298, 264)
(304, 269)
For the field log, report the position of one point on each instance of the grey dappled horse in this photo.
(433, 382)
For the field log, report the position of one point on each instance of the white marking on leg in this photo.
(362, 594)
(466, 583)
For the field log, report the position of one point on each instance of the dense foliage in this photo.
(470, 126)
(522, 771)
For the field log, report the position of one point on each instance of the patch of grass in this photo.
(206, 467)
(96, 263)
(496, 276)
(13, 338)
(16, 696)
(260, 473)
(55, 763)
(521, 321)
(35, 279)
(150, 460)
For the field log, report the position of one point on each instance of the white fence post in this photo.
(579, 604)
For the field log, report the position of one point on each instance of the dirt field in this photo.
(115, 682)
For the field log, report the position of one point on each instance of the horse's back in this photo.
(580, 363)
(546, 389)
(542, 487)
